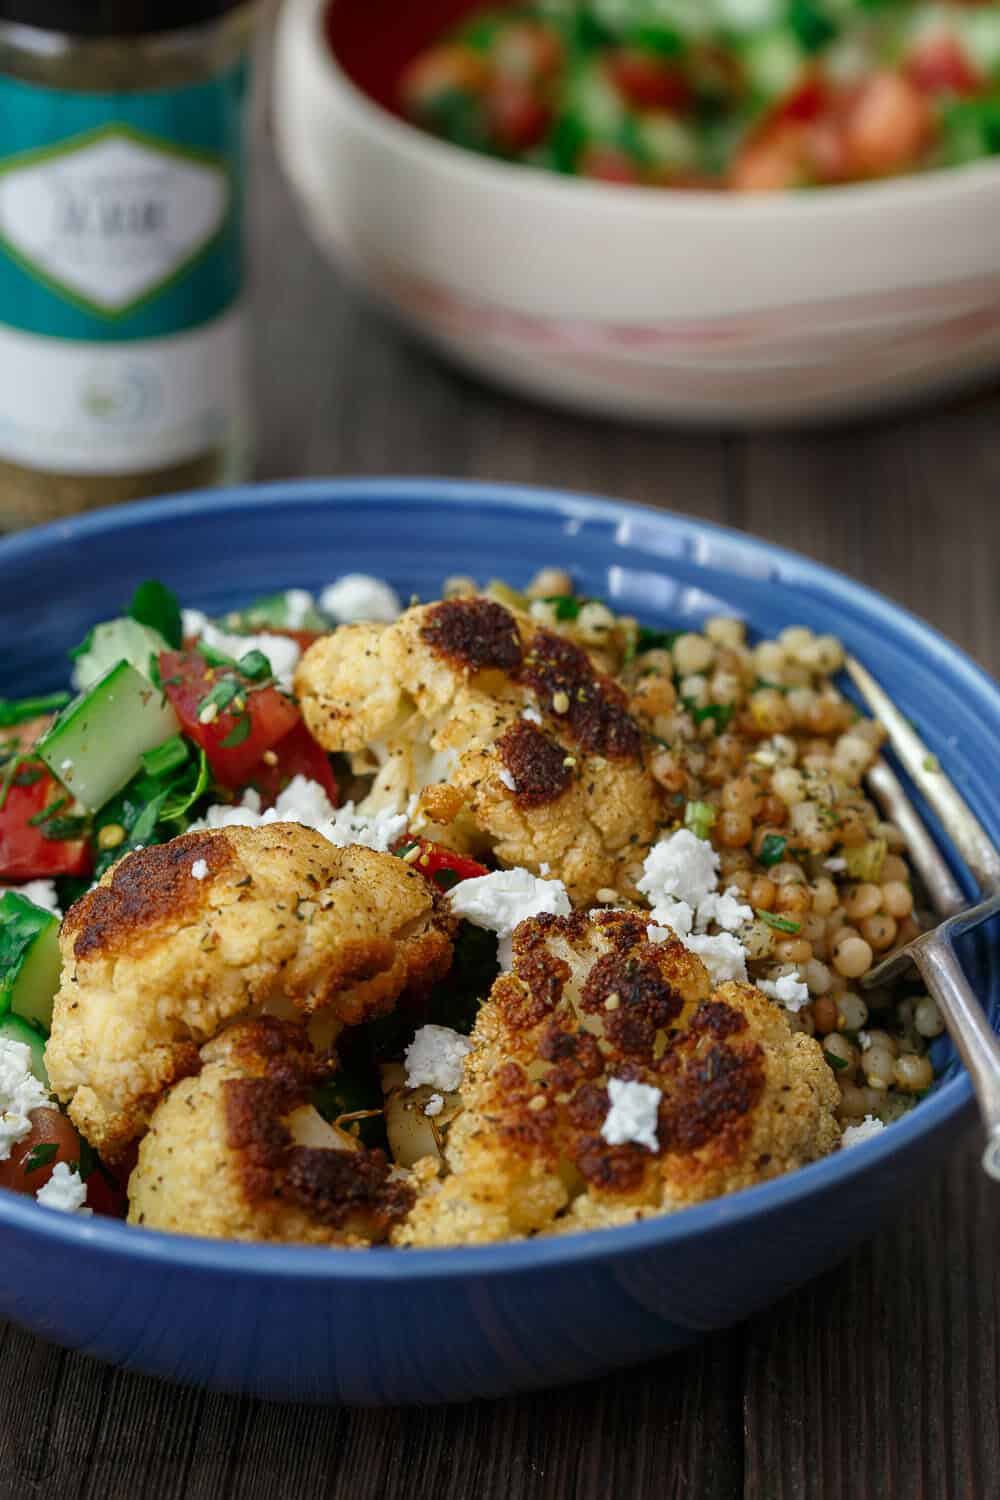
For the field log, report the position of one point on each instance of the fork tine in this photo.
(946, 895)
(960, 822)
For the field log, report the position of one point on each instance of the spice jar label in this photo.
(120, 275)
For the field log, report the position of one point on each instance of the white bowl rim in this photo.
(639, 203)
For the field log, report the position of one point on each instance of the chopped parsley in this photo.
(255, 665)
(154, 605)
(47, 812)
(772, 850)
(719, 713)
(780, 924)
(42, 1155)
(238, 734)
(167, 757)
(837, 1063)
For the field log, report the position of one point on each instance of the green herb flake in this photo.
(47, 812)
(656, 640)
(238, 734)
(221, 694)
(566, 606)
(42, 1155)
(59, 830)
(780, 924)
(772, 850)
(837, 1063)
(254, 665)
(719, 713)
(445, 879)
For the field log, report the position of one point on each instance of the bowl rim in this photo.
(465, 167)
(941, 1110)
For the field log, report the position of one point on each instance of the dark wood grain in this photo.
(881, 1379)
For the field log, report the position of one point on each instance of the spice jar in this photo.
(121, 276)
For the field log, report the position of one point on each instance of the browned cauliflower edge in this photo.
(590, 998)
(156, 960)
(238, 1153)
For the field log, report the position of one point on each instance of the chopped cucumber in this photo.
(13, 1029)
(96, 745)
(114, 641)
(293, 609)
(30, 962)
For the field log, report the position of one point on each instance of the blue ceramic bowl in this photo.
(385, 1326)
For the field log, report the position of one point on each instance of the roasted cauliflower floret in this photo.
(741, 1098)
(515, 743)
(157, 960)
(238, 1153)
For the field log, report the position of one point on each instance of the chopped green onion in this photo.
(19, 710)
(772, 850)
(780, 924)
(700, 817)
(236, 736)
(166, 757)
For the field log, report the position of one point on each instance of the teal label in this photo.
(120, 214)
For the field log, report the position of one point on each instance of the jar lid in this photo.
(110, 18)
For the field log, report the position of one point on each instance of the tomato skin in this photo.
(939, 65)
(518, 117)
(433, 858)
(187, 678)
(25, 853)
(297, 755)
(608, 164)
(48, 1127)
(647, 81)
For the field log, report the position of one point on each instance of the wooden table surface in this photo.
(880, 1379)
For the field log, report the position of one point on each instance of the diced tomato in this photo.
(450, 68)
(25, 852)
(887, 128)
(518, 117)
(49, 1127)
(806, 102)
(608, 164)
(433, 859)
(296, 755)
(648, 81)
(265, 718)
(526, 50)
(940, 66)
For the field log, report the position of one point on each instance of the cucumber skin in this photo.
(29, 954)
(96, 745)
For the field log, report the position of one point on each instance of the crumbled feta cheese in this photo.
(305, 802)
(66, 765)
(358, 596)
(500, 901)
(545, 869)
(675, 916)
(507, 779)
(193, 622)
(723, 956)
(20, 1093)
(434, 1105)
(870, 1127)
(532, 715)
(835, 865)
(298, 603)
(726, 911)
(790, 990)
(682, 866)
(632, 1114)
(435, 1057)
(40, 892)
(65, 1191)
(282, 653)
(199, 870)
(864, 1040)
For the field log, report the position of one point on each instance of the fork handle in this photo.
(971, 1033)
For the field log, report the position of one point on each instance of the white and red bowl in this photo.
(646, 303)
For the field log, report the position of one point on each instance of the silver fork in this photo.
(933, 952)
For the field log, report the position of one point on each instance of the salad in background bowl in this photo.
(693, 305)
